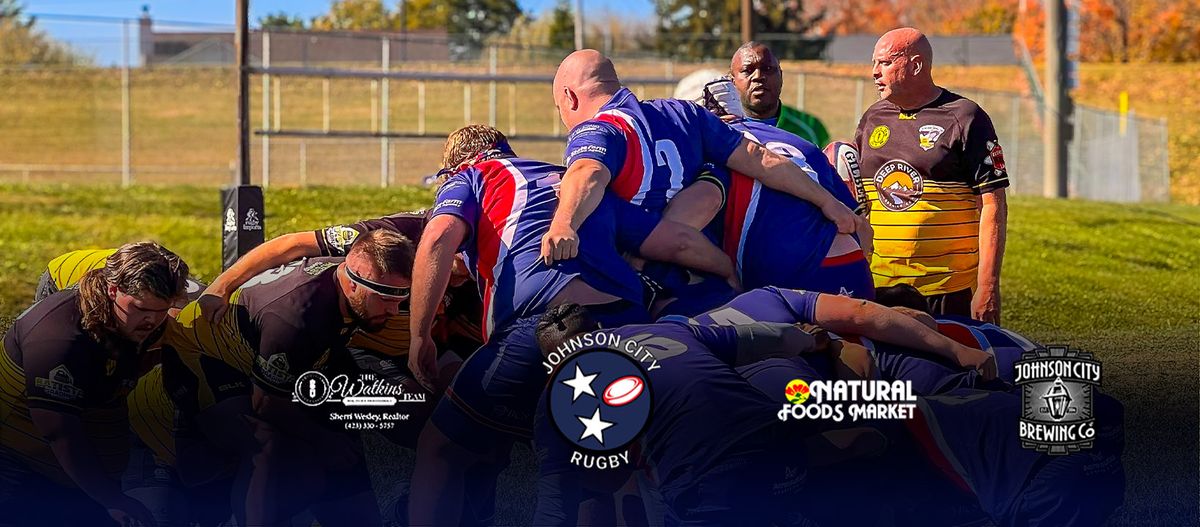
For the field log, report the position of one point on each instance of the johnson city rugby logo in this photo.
(1057, 414)
(600, 398)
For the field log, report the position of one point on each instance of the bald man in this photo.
(648, 153)
(934, 175)
(759, 80)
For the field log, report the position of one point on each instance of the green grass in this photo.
(1119, 281)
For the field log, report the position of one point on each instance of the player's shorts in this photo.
(492, 399)
(633, 223)
(771, 376)
(848, 274)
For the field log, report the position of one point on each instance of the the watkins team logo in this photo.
(900, 186)
(929, 135)
(995, 158)
(252, 223)
(1057, 414)
(599, 397)
(313, 388)
(230, 220)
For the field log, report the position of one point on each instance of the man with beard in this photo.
(280, 324)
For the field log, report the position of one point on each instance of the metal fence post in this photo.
(420, 107)
(303, 163)
(325, 104)
(800, 81)
(512, 108)
(384, 105)
(126, 124)
(466, 103)
(492, 88)
(858, 103)
(266, 109)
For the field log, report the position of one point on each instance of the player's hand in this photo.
(866, 236)
(129, 512)
(212, 306)
(841, 215)
(422, 361)
(978, 360)
(985, 305)
(560, 243)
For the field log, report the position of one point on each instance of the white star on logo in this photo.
(594, 427)
(581, 383)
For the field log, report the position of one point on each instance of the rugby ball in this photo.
(623, 391)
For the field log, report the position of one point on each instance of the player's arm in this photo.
(434, 259)
(779, 173)
(841, 314)
(595, 154)
(56, 417)
(743, 344)
(993, 234)
(270, 254)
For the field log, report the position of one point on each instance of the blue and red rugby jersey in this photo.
(653, 149)
(775, 238)
(508, 204)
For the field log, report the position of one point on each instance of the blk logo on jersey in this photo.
(600, 402)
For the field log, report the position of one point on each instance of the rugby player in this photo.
(65, 271)
(67, 364)
(647, 153)
(495, 209)
(809, 253)
(280, 324)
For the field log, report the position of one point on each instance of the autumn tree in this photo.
(712, 28)
(22, 43)
(281, 20)
(562, 26)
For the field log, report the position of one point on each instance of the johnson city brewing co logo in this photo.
(1057, 415)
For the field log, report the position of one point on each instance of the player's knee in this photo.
(668, 240)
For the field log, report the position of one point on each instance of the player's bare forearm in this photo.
(841, 314)
(75, 455)
(676, 243)
(431, 270)
(272, 253)
(993, 234)
(580, 192)
(777, 172)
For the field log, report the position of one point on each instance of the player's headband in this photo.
(382, 289)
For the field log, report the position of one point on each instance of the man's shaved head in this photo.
(583, 78)
(901, 65)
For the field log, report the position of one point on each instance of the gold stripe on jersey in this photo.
(192, 335)
(106, 429)
(932, 244)
(68, 269)
(152, 415)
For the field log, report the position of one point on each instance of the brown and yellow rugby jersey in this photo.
(49, 362)
(922, 170)
(457, 325)
(66, 270)
(279, 324)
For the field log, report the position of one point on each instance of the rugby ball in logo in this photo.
(623, 391)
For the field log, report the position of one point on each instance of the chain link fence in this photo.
(135, 117)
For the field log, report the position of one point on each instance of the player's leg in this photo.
(661, 239)
(697, 204)
(490, 402)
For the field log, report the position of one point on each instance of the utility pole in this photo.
(747, 28)
(1058, 104)
(242, 215)
(578, 25)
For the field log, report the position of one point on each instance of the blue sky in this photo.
(102, 40)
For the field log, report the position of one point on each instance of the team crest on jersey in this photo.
(899, 185)
(879, 136)
(929, 135)
(995, 158)
(340, 237)
(59, 384)
(275, 369)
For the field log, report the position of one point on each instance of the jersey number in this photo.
(267, 277)
(666, 154)
(794, 154)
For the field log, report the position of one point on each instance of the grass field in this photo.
(183, 128)
(1119, 281)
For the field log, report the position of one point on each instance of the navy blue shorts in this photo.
(848, 275)
(772, 376)
(634, 224)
